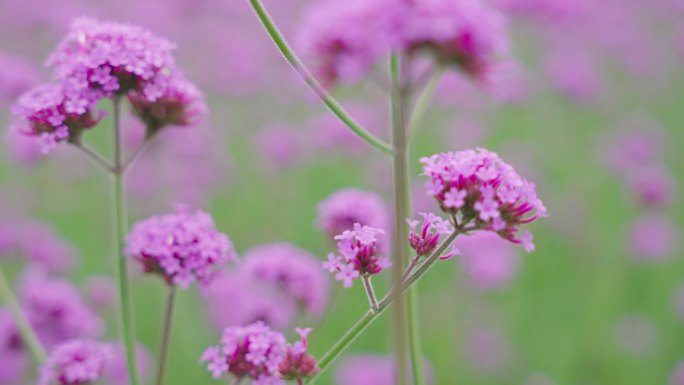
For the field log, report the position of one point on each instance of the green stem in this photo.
(311, 81)
(424, 100)
(28, 335)
(120, 232)
(370, 292)
(166, 334)
(350, 335)
(403, 325)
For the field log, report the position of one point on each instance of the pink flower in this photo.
(290, 270)
(371, 369)
(343, 208)
(489, 262)
(653, 238)
(253, 351)
(182, 247)
(497, 198)
(424, 239)
(653, 185)
(12, 353)
(75, 362)
(297, 363)
(47, 113)
(16, 75)
(357, 257)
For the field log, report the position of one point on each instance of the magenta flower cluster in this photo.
(483, 189)
(99, 60)
(256, 351)
(182, 247)
(76, 362)
(424, 237)
(350, 38)
(358, 255)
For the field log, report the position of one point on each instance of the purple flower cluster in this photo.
(489, 262)
(182, 247)
(75, 362)
(56, 310)
(349, 38)
(482, 188)
(343, 208)
(297, 363)
(291, 270)
(39, 244)
(426, 238)
(12, 353)
(253, 351)
(99, 60)
(358, 257)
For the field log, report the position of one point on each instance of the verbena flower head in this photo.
(180, 104)
(76, 362)
(12, 353)
(343, 208)
(291, 270)
(425, 238)
(182, 247)
(297, 363)
(358, 257)
(479, 187)
(467, 34)
(257, 301)
(254, 351)
(56, 310)
(47, 113)
(102, 59)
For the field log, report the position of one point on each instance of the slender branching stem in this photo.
(410, 268)
(127, 165)
(370, 293)
(311, 81)
(95, 157)
(166, 335)
(401, 199)
(367, 318)
(28, 335)
(125, 307)
(423, 101)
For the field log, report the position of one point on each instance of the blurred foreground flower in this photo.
(342, 209)
(74, 362)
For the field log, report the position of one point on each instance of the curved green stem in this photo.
(401, 330)
(423, 101)
(367, 318)
(126, 310)
(166, 334)
(309, 79)
(28, 335)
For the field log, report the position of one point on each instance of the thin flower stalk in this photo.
(310, 80)
(367, 318)
(423, 101)
(370, 292)
(28, 335)
(166, 335)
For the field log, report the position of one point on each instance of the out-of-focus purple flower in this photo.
(298, 364)
(180, 104)
(56, 310)
(116, 371)
(254, 351)
(291, 270)
(468, 34)
(103, 59)
(232, 290)
(489, 262)
(16, 75)
(182, 247)
(358, 249)
(12, 354)
(496, 198)
(425, 238)
(42, 246)
(45, 112)
(347, 38)
(635, 335)
(339, 211)
(187, 165)
(371, 369)
(278, 144)
(574, 72)
(507, 82)
(653, 238)
(73, 362)
(487, 350)
(677, 376)
(640, 142)
(100, 291)
(653, 185)
(22, 149)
